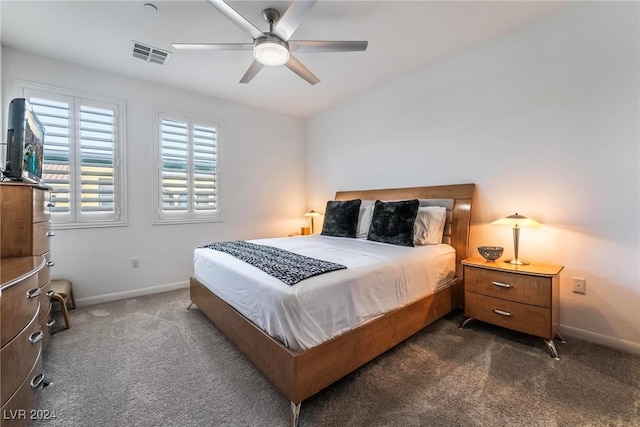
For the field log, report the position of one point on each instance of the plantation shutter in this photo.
(97, 159)
(80, 158)
(175, 162)
(56, 117)
(188, 170)
(204, 169)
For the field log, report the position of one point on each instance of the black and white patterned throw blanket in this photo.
(284, 265)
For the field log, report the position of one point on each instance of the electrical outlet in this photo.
(579, 285)
(135, 262)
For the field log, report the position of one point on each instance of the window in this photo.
(82, 150)
(187, 181)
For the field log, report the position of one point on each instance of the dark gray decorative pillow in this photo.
(341, 218)
(392, 222)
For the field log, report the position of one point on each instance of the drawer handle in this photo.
(50, 234)
(37, 381)
(35, 337)
(50, 293)
(51, 322)
(51, 263)
(502, 312)
(502, 285)
(32, 293)
(51, 205)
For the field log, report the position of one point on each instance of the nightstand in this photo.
(523, 298)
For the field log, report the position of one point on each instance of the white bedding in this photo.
(379, 278)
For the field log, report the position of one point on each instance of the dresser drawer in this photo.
(41, 240)
(16, 412)
(525, 318)
(45, 313)
(18, 357)
(46, 322)
(44, 275)
(509, 286)
(41, 210)
(45, 301)
(19, 304)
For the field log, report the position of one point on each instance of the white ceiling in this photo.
(403, 36)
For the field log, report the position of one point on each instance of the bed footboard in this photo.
(299, 375)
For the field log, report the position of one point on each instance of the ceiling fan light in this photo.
(271, 52)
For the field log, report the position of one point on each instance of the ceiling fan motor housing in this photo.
(271, 51)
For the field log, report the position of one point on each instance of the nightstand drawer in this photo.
(517, 316)
(509, 286)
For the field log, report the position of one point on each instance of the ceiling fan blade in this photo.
(296, 66)
(236, 18)
(304, 46)
(292, 18)
(251, 72)
(213, 46)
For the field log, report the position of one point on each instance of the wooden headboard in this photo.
(458, 222)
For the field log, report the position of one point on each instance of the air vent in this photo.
(150, 53)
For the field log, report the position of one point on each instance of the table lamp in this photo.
(516, 221)
(312, 214)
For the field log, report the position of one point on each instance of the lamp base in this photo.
(517, 261)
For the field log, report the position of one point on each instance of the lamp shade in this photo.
(517, 219)
(312, 213)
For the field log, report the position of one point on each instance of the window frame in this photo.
(76, 219)
(190, 216)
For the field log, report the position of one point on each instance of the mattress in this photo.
(379, 278)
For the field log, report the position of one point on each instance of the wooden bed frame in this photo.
(301, 374)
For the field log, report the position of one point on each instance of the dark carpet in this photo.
(148, 362)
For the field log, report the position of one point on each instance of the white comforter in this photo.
(379, 278)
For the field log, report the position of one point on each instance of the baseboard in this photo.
(620, 344)
(130, 294)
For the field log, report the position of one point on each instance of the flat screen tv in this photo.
(25, 139)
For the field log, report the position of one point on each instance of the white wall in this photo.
(545, 121)
(262, 183)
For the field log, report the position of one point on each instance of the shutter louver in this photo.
(97, 160)
(175, 156)
(55, 116)
(204, 166)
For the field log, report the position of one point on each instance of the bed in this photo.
(301, 369)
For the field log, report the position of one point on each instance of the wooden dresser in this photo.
(25, 307)
(524, 298)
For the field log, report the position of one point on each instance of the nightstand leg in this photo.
(189, 308)
(552, 348)
(562, 340)
(464, 322)
(295, 413)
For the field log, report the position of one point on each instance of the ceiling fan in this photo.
(274, 47)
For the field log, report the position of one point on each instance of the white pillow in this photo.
(364, 219)
(429, 225)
